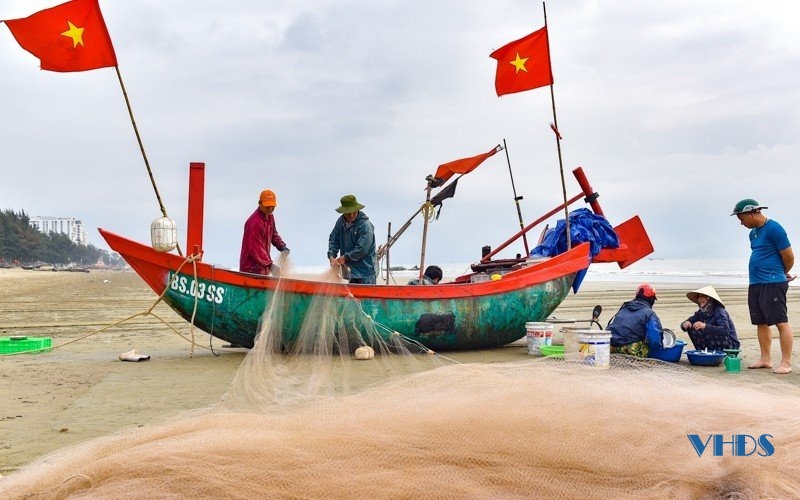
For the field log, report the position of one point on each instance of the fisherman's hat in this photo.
(349, 204)
(746, 205)
(707, 291)
(268, 198)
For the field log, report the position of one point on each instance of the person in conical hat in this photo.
(710, 327)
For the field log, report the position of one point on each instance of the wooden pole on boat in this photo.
(393, 239)
(425, 217)
(194, 218)
(588, 194)
(141, 148)
(516, 200)
(554, 126)
(388, 237)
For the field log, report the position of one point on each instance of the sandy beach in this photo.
(82, 390)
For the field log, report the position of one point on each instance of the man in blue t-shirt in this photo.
(770, 262)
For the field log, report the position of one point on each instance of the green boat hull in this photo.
(439, 324)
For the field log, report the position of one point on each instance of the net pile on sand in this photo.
(533, 428)
(293, 425)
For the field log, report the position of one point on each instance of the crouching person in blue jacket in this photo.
(636, 328)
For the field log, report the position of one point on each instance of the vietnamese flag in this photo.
(68, 37)
(462, 166)
(523, 64)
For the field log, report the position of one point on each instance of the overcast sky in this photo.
(676, 110)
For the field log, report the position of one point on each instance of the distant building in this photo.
(70, 226)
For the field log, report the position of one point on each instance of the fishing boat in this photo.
(486, 308)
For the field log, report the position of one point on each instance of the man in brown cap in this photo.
(352, 242)
(260, 234)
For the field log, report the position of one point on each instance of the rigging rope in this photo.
(392, 332)
(149, 312)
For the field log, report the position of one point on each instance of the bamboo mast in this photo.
(554, 126)
(516, 200)
(425, 217)
(141, 148)
(383, 250)
(388, 237)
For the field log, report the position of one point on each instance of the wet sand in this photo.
(81, 390)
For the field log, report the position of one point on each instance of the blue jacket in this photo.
(356, 242)
(635, 322)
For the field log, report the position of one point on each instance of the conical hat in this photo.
(706, 290)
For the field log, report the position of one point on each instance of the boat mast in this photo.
(516, 200)
(554, 126)
(427, 210)
(388, 266)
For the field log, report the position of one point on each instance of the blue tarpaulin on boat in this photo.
(585, 226)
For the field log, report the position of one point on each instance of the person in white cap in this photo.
(771, 260)
(711, 327)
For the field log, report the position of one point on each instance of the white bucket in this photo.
(538, 334)
(571, 345)
(594, 348)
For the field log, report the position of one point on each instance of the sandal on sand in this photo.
(132, 355)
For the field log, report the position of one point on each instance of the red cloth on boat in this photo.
(259, 234)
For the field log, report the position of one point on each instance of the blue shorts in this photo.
(767, 303)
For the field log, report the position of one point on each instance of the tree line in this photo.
(22, 244)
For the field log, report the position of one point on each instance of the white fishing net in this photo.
(315, 422)
(332, 336)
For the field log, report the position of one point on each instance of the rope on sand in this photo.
(149, 312)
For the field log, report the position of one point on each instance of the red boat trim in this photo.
(150, 265)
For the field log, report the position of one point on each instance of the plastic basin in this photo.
(705, 358)
(671, 354)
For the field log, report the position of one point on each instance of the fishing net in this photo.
(313, 421)
(334, 337)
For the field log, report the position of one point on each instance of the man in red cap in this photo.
(260, 234)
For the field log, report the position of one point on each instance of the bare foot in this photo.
(783, 369)
(760, 364)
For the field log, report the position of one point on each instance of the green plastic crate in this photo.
(10, 345)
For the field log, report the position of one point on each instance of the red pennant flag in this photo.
(462, 166)
(68, 37)
(523, 64)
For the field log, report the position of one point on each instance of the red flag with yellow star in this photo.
(523, 64)
(68, 37)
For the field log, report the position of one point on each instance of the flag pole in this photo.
(554, 126)
(384, 249)
(425, 216)
(388, 237)
(516, 199)
(141, 148)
